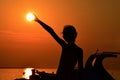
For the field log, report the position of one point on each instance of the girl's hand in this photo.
(36, 18)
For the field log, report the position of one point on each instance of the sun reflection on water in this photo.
(27, 73)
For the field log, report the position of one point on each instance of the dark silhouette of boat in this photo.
(93, 70)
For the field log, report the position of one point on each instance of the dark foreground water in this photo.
(11, 74)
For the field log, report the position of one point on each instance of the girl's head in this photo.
(69, 33)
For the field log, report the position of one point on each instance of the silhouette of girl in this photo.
(71, 53)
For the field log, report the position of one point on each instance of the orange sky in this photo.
(27, 44)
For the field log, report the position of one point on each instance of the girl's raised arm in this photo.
(51, 31)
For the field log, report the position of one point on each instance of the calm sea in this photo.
(11, 74)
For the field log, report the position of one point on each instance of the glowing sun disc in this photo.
(30, 16)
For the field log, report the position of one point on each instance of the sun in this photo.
(30, 16)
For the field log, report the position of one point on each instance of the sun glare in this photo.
(27, 72)
(30, 16)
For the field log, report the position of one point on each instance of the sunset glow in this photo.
(30, 17)
(24, 43)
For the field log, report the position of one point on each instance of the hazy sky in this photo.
(27, 44)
